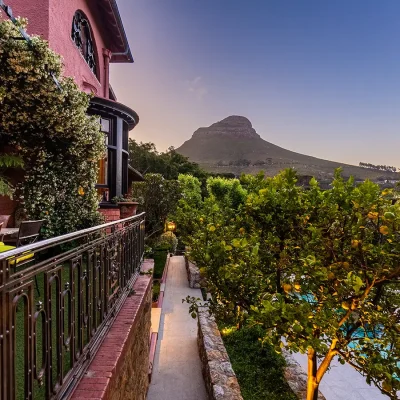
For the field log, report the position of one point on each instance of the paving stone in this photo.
(177, 368)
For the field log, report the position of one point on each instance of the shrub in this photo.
(49, 129)
(169, 240)
(158, 197)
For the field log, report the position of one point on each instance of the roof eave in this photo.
(124, 54)
(127, 55)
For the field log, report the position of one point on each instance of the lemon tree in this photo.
(318, 269)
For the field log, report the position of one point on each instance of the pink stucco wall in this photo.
(53, 20)
(36, 10)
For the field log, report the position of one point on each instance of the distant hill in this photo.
(233, 145)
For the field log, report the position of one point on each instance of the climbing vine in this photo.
(47, 126)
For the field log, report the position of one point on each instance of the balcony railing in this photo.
(58, 299)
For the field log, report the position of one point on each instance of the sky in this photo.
(319, 77)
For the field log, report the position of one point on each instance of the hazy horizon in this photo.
(318, 78)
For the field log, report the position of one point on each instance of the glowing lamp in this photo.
(171, 226)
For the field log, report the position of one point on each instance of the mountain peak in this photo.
(232, 145)
(234, 126)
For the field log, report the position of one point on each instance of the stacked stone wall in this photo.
(219, 377)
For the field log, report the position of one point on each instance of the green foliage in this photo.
(156, 290)
(123, 199)
(258, 368)
(319, 268)
(49, 128)
(186, 214)
(146, 159)
(169, 240)
(158, 197)
(160, 258)
(8, 161)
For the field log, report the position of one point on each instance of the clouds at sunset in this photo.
(197, 87)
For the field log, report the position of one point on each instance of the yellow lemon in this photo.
(345, 305)
(384, 230)
(373, 215)
(287, 288)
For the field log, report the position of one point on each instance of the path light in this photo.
(171, 226)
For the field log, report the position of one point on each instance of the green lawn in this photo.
(259, 369)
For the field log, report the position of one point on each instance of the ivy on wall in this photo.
(49, 128)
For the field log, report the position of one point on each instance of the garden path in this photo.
(177, 368)
(343, 382)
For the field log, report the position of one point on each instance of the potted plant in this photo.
(127, 204)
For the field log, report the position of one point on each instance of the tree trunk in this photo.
(312, 385)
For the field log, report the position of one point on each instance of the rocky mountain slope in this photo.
(233, 145)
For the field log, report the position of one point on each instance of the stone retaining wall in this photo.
(219, 377)
(193, 274)
(296, 377)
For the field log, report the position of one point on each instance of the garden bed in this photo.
(260, 371)
(160, 258)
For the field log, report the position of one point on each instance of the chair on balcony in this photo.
(28, 233)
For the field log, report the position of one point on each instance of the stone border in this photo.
(219, 377)
(154, 335)
(163, 282)
(193, 274)
(297, 378)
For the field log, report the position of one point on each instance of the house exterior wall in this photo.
(36, 11)
(61, 14)
(52, 19)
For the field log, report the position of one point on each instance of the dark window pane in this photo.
(112, 172)
(125, 136)
(124, 174)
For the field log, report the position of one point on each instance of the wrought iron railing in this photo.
(58, 298)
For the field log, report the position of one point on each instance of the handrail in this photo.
(64, 238)
(58, 299)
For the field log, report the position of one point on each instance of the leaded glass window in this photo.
(82, 37)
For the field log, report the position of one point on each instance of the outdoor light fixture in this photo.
(171, 226)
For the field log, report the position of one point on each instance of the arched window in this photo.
(82, 36)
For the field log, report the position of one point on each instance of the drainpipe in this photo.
(107, 54)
